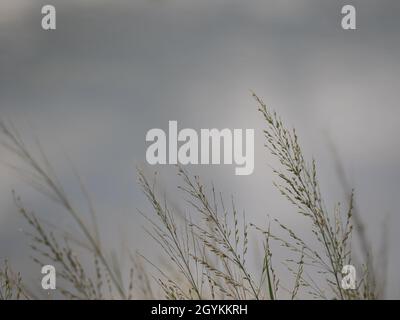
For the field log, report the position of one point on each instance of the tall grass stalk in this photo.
(207, 246)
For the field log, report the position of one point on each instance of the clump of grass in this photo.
(41, 175)
(208, 247)
(208, 250)
(211, 249)
(79, 283)
(299, 184)
(11, 287)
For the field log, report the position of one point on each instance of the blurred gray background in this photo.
(112, 70)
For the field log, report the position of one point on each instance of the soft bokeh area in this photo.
(112, 70)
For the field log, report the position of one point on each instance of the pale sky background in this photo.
(115, 69)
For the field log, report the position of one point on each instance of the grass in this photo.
(208, 248)
(11, 287)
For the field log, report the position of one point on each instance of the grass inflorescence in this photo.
(208, 247)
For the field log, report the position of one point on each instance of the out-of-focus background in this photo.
(112, 70)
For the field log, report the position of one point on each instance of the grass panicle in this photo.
(204, 247)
